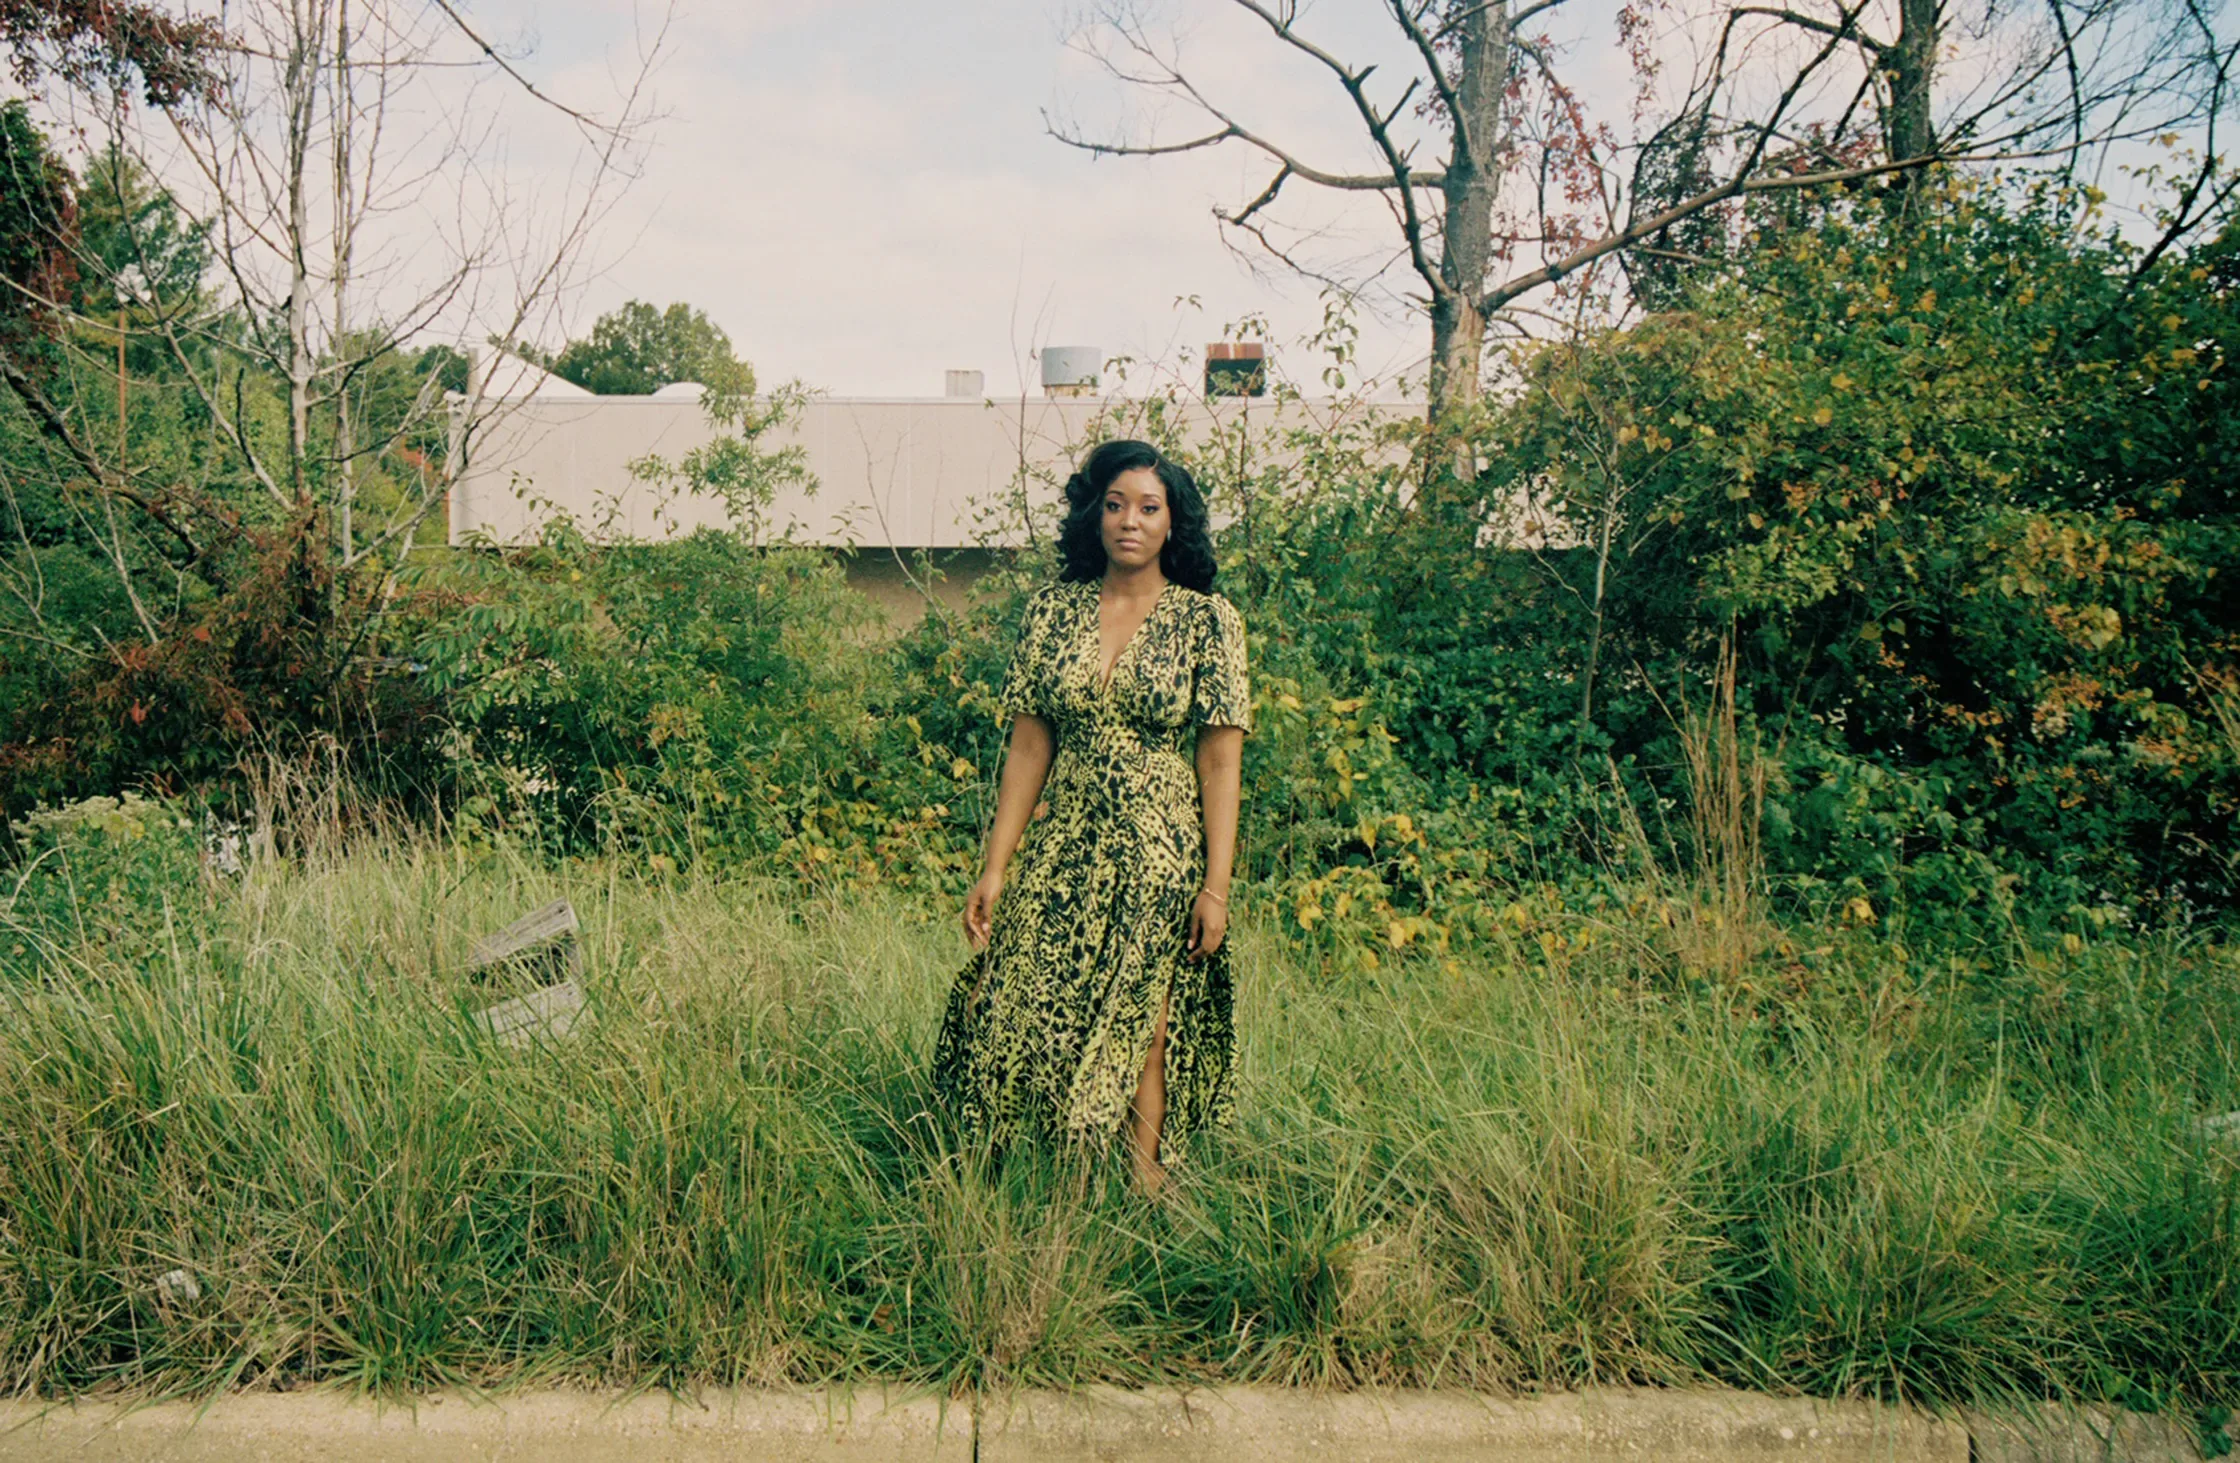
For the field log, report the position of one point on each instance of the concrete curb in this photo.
(1234, 1425)
(1096, 1425)
(2088, 1435)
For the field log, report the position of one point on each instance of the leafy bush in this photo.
(1949, 483)
(109, 881)
(1957, 482)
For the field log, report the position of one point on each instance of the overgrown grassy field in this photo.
(1849, 1172)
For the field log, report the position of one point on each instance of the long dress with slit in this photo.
(1048, 1027)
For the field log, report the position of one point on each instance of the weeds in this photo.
(1561, 1174)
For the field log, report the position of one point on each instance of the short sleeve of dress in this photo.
(1025, 679)
(1219, 693)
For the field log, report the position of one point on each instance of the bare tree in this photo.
(1502, 184)
(344, 161)
(416, 233)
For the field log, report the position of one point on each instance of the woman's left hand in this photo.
(1209, 925)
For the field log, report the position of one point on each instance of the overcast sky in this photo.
(862, 192)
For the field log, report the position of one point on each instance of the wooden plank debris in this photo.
(550, 1013)
(540, 944)
(540, 935)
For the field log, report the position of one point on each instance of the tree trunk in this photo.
(1458, 343)
(1909, 130)
(300, 86)
(1594, 634)
(342, 113)
(1473, 178)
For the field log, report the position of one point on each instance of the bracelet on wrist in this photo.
(1221, 899)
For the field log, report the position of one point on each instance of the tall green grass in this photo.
(1900, 1178)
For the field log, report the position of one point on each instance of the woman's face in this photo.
(1135, 519)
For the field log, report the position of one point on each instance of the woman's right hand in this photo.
(980, 908)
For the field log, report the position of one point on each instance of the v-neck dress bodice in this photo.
(1104, 678)
(1048, 1027)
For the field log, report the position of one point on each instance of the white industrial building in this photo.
(891, 475)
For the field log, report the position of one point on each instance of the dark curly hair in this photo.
(1187, 559)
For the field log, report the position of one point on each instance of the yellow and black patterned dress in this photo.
(1049, 1026)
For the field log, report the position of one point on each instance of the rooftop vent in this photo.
(966, 383)
(1237, 368)
(1070, 370)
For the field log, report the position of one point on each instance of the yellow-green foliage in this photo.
(1954, 482)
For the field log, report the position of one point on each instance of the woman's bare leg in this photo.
(1149, 1111)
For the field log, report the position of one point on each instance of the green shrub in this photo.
(1957, 486)
(111, 882)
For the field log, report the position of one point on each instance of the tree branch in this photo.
(2183, 218)
(52, 423)
(1522, 16)
(1288, 260)
(1733, 188)
(2075, 80)
(1356, 88)
(1429, 51)
(1846, 29)
(1267, 196)
(582, 118)
(1322, 177)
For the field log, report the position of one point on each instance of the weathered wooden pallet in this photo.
(542, 942)
(541, 935)
(546, 1014)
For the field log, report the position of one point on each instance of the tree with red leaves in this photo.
(103, 43)
(38, 223)
(86, 44)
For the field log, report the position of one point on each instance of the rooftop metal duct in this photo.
(1071, 370)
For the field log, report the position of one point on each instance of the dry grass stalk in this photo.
(1723, 928)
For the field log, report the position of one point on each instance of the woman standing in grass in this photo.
(1100, 989)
